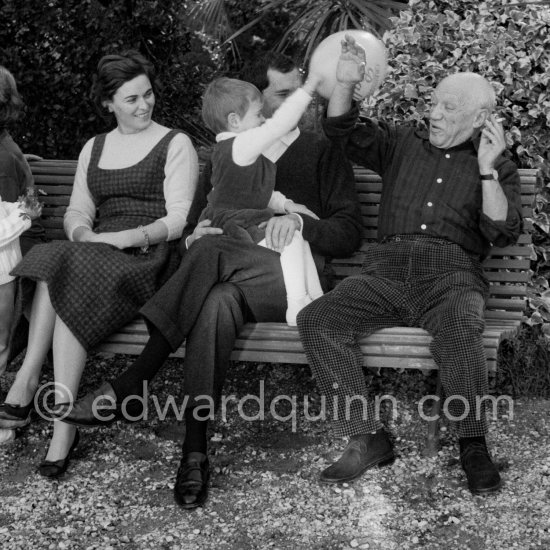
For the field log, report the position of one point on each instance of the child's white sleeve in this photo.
(13, 225)
(277, 202)
(250, 144)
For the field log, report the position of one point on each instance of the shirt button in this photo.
(447, 156)
(430, 204)
(439, 180)
(423, 226)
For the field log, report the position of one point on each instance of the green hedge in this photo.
(53, 46)
(511, 47)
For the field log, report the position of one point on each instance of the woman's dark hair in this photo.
(115, 70)
(11, 104)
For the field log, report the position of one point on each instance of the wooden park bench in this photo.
(507, 270)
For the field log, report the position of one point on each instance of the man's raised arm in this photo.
(349, 72)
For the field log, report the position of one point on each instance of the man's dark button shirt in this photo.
(427, 190)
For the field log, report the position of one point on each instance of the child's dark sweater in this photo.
(240, 194)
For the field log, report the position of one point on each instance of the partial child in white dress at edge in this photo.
(15, 218)
(243, 176)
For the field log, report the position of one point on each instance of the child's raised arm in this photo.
(250, 144)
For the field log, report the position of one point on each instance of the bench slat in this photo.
(400, 347)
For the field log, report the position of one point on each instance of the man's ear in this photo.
(481, 117)
(233, 121)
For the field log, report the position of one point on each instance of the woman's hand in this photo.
(115, 239)
(85, 235)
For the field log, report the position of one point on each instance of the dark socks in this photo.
(145, 367)
(465, 441)
(195, 434)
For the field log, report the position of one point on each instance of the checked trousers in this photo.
(409, 281)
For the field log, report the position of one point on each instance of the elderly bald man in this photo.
(448, 195)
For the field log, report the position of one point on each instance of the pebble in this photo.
(108, 493)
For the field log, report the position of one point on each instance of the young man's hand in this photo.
(203, 228)
(280, 230)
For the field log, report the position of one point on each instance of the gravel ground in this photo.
(264, 491)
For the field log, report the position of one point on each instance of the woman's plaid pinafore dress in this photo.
(96, 288)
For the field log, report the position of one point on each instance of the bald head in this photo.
(473, 88)
(460, 105)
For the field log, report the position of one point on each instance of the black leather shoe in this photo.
(15, 416)
(54, 468)
(191, 488)
(364, 451)
(482, 474)
(97, 408)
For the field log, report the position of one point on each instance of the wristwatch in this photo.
(493, 176)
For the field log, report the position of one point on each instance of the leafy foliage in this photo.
(300, 24)
(53, 47)
(314, 21)
(523, 364)
(508, 44)
(219, 20)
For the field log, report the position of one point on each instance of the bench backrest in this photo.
(507, 269)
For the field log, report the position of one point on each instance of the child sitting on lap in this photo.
(243, 176)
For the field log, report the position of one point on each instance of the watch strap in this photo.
(489, 177)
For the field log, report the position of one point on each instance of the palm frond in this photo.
(313, 22)
(210, 16)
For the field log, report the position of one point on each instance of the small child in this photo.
(15, 218)
(243, 176)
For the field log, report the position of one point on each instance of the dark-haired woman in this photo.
(132, 192)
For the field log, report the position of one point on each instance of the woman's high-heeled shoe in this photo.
(15, 416)
(54, 468)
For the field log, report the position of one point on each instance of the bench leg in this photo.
(432, 441)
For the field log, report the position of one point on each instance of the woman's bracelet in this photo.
(145, 248)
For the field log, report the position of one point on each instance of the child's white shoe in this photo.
(6, 435)
(294, 307)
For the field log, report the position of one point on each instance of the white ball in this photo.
(325, 58)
